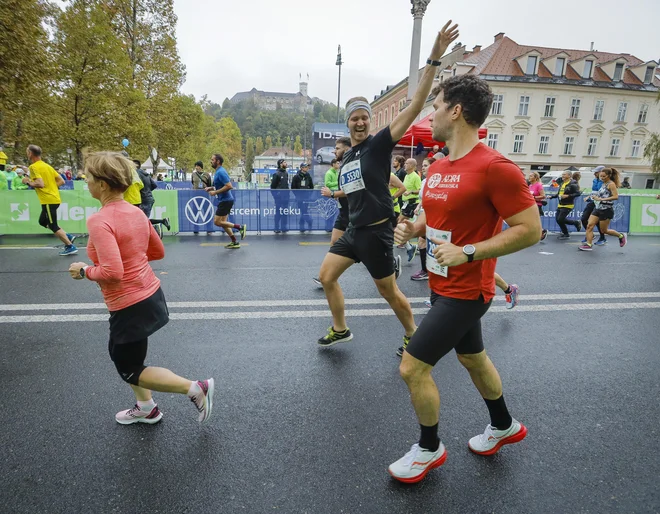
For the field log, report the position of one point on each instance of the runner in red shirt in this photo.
(465, 199)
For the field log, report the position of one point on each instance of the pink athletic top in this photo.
(122, 241)
(537, 190)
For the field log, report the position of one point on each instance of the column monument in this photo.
(418, 10)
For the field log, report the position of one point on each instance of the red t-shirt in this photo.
(468, 198)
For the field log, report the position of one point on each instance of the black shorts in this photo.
(408, 210)
(224, 208)
(450, 324)
(48, 217)
(139, 320)
(341, 223)
(604, 214)
(372, 246)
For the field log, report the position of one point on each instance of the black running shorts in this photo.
(604, 214)
(408, 210)
(370, 245)
(48, 217)
(341, 223)
(450, 324)
(224, 208)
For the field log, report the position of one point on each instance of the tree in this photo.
(269, 142)
(25, 67)
(224, 137)
(92, 81)
(259, 146)
(278, 141)
(249, 156)
(297, 147)
(652, 153)
(287, 142)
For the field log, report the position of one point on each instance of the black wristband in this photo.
(433, 63)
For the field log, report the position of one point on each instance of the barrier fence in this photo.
(261, 209)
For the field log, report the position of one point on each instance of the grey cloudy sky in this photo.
(230, 46)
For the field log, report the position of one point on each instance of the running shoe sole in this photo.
(63, 254)
(515, 438)
(209, 399)
(232, 247)
(343, 340)
(243, 231)
(317, 282)
(434, 464)
(623, 241)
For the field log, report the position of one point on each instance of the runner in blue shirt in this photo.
(222, 189)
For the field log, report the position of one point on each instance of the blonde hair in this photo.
(535, 175)
(112, 168)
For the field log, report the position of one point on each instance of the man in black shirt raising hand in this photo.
(365, 175)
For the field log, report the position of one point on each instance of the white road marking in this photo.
(320, 302)
(261, 315)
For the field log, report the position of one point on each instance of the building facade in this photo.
(554, 108)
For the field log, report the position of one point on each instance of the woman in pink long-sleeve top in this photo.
(122, 241)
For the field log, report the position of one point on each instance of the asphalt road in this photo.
(299, 429)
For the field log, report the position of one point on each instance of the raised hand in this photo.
(447, 35)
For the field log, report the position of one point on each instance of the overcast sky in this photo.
(231, 46)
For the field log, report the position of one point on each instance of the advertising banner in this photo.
(620, 222)
(645, 215)
(323, 147)
(20, 211)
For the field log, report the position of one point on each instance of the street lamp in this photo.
(338, 63)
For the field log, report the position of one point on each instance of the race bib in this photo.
(351, 178)
(431, 264)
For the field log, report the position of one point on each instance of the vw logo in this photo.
(169, 186)
(619, 211)
(434, 180)
(199, 210)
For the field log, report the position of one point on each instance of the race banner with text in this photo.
(620, 222)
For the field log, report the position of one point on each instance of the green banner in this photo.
(20, 211)
(644, 215)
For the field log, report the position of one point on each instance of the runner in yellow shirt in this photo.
(46, 182)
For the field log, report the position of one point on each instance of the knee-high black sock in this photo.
(422, 257)
(499, 414)
(429, 439)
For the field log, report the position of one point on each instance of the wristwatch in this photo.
(332, 194)
(82, 272)
(469, 250)
(431, 62)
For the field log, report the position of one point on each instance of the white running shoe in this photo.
(204, 400)
(492, 439)
(135, 415)
(414, 465)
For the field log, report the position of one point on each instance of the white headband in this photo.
(355, 106)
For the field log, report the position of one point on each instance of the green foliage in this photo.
(269, 142)
(259, 146)
(249, 155)
(297, 146)
(652, 153)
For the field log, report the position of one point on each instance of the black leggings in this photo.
(588, 210)
(563, 220)
(129, 359)
(48, 218)
(450, 324)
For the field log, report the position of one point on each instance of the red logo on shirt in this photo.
(446, 181)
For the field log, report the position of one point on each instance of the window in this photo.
(636, 146)
(591, 147)
(618, 71)
(544, 142)
(385, 122)
(380, 119)
(559, 67)
(648, 77)
(575, 108)
(650, 183)
(523, 108)
(549, 107)
(568, 145)
(453, 72)
(518, 143)
(614, 149)
(588, 66)
(492, 140)
(621, 113)
(392, 112)
(598, 110)
(643, 111)
(498, 100)
(531, 65)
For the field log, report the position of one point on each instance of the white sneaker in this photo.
(203, 401)
(415, 464)
(135, 415)
(492, 439)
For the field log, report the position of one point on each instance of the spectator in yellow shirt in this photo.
(46, 182)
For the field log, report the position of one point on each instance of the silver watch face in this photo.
(469, 249)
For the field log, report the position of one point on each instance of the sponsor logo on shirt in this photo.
(438, 180)
(199, 210)
(436, 196)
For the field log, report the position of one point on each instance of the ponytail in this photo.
(614, 175)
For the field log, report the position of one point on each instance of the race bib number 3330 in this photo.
(351, 178)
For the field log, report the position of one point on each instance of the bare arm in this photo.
(406, 117)
(59, 180)
(524, 230)
(224, 188)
